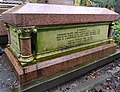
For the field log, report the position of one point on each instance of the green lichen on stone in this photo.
(55, 54)
(54, 41)
(68, 51)
(52, 38)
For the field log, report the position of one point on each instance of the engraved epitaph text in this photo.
(57, 39)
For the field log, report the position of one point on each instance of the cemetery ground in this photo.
(102, 79)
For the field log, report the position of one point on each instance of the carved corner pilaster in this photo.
(110, 31)
(25, 44)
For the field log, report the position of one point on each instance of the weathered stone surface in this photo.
(69, 36)
(3, 33)
(42, 69)
(54, 41)
(45, 14)
(2, 28)
(37, 34)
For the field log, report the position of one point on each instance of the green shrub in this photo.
(117, 32)
(104, 3)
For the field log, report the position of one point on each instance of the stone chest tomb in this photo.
(45, 39)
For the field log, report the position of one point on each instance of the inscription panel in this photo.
(56, 39)
(14, 39)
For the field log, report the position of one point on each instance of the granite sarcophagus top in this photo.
(57, 37)
(44, 14)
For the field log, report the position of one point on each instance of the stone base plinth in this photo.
(49, 67)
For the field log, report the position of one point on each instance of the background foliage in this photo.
(116, 33)
(97, 3)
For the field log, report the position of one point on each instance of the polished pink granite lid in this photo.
(45, 14)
